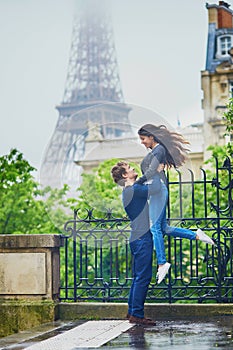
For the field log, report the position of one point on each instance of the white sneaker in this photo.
(204, 238)
(162, 271)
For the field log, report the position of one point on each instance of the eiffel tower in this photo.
(92, 95)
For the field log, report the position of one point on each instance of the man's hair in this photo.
(117, 172)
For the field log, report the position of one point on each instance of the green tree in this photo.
(99, 191)
(228, 117)
(219, 155)
(22, 208)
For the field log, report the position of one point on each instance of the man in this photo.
(135, 201)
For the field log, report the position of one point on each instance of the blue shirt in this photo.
(135, 202)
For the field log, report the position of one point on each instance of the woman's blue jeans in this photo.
(159, 226)
(142, 251)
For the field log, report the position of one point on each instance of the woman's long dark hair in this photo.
(173, 142)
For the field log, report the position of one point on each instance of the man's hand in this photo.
(160, 167)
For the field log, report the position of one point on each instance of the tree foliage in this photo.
(228, 117)
(99, 191)
(22, 208)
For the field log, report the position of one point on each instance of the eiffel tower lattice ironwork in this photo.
(92, 95)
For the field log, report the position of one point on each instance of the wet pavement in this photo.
(177, 335)
(192, 334)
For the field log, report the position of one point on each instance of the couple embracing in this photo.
(145, 201)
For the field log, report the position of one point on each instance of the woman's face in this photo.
(147, 141)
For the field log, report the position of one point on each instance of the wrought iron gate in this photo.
(96, 259)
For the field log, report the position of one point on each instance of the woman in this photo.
(168, 148)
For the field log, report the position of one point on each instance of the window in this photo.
(224, 43)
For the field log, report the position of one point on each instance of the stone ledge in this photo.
(19, 315)
(30, 241)
(98, 311)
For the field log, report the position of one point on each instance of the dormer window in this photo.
(224, 43)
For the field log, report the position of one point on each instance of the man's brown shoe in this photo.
(142, 321)
(128, 316)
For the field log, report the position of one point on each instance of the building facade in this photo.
(217, 78)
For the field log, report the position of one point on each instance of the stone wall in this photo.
(29, 280)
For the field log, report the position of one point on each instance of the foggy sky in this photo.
(161, 50)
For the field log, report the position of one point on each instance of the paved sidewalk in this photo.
(91, 334)
(206, 333)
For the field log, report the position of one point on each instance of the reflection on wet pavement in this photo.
(177, 335)
(192, 334)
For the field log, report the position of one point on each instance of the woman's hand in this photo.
(160, 167)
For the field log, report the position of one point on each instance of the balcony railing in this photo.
(96, 260)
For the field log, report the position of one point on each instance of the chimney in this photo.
(220, 14)
(223, 3)
(224, 15)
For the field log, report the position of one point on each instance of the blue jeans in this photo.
(159, 226)
(142, 250)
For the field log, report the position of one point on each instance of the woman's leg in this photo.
(158, 205)
(184, 232)
(157, 209)
(189, 234)
(180, 232)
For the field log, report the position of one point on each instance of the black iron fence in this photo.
(96, 259)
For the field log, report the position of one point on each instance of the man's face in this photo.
(130, 173)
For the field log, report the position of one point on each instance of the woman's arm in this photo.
(157, 159)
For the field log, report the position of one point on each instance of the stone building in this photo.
(217, 78)
(194, 134)
(98, 149)
(217, 86)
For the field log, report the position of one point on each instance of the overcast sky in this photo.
(161, 50)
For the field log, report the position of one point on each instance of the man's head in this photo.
(123, 173)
